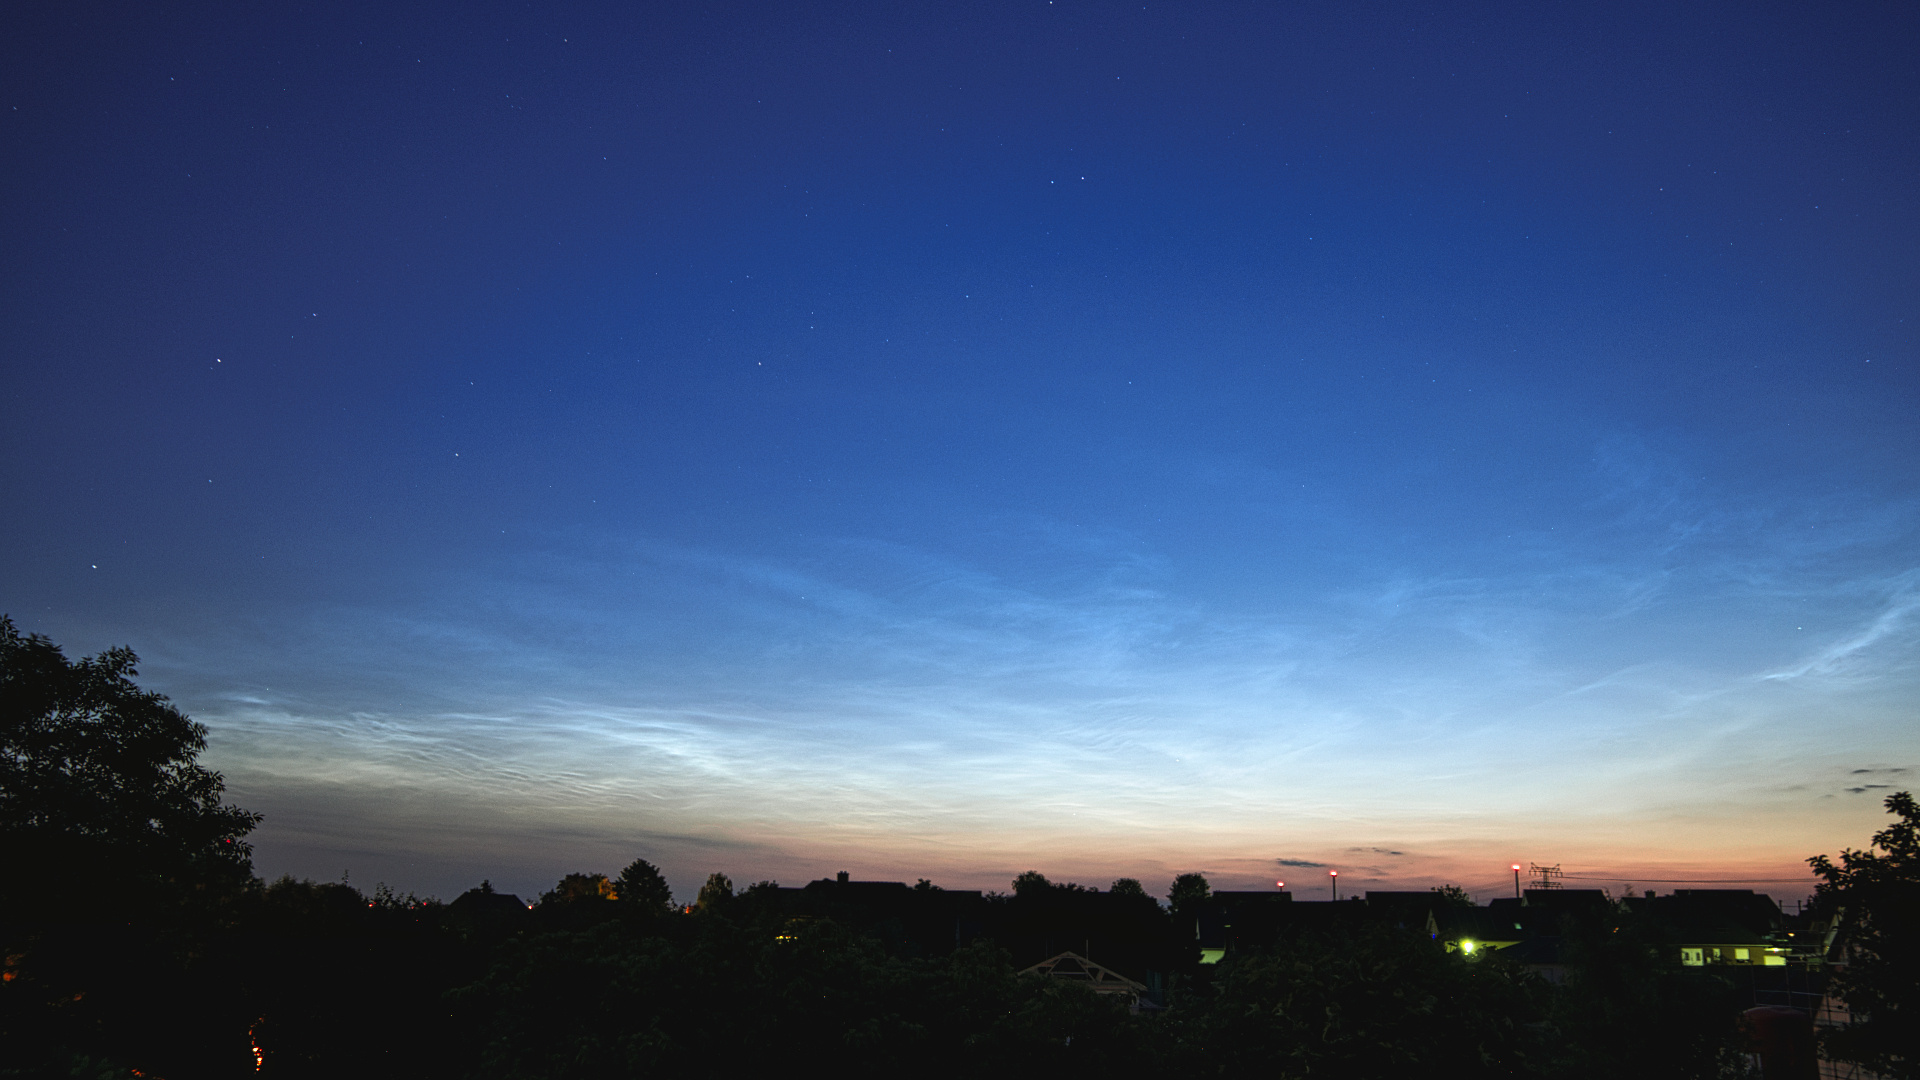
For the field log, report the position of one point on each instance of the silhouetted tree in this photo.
(1452, 896)
(1187, 893)
(386, 899)
(641, 888)
(715, 893)
(119, 863)
(1127, 886)
(1031, 881)
(577, 901)
(1875, 895)
(88, 758)
(575, 888)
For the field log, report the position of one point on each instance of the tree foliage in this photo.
(87, 757)
(578, 888)
(715, 893)
(1628, 1007)
(1875, 897)
(1031, 881)
(631, 998)
(1188, 892)
(641, 888)
(121, 868)
(620, 1001)
(1374, 1004)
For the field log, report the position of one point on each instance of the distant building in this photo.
(484, 909)
(1722, 927)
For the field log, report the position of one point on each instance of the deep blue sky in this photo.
(947, 439)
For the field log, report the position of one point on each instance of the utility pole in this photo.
(1334, 876)
(1516, 881)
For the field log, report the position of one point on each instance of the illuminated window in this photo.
(1692, 957)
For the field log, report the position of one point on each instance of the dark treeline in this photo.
(325, 981)
(137, 941)
(629, 994)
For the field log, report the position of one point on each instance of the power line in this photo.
(1691, 880)
(1504, 886)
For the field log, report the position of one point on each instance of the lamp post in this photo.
(1516, 881)
(1334, 876)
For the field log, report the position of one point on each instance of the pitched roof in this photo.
(1073, 966)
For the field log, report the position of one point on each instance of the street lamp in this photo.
(1335, 876)
(1516, 881)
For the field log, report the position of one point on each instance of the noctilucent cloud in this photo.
(946, 440)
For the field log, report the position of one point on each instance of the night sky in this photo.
(950, 439)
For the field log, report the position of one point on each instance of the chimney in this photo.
(841, 877)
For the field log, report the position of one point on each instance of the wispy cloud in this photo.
(877, 697)
(1892, 623)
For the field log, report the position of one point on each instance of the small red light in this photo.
(1333, 873)
(1280, 884)
(1516, 866)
